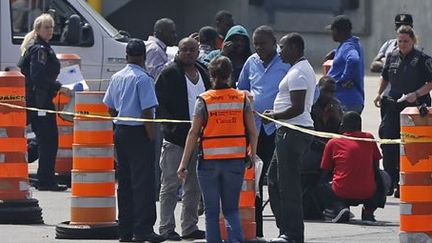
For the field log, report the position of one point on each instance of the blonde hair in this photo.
(407, 30)
(30, 37)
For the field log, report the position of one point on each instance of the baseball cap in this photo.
(340, 22)
(135, 47)
(404, 19)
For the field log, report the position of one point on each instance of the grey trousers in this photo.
(169, 163)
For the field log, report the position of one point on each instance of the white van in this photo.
(100, 46)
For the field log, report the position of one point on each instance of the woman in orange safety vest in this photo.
(223, 122)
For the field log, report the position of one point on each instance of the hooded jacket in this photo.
(235, 30)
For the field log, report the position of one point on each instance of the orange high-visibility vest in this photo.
(224, 134)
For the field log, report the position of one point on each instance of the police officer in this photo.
(41, 67)
(409, 71)
(131, 94)
(390, 45)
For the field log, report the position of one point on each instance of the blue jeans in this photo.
(221, 181)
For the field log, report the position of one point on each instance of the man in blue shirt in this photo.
(131, 94)
(348, 65)
(261, 75)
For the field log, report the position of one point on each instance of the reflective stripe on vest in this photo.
(224, 135)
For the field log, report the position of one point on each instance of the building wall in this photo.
(372, 22)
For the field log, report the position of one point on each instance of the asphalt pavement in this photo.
(56, 207)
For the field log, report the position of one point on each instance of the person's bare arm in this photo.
(112, 112)
(382, 87)
(252, 134)
(149, 126)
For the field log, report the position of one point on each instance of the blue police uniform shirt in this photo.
(130, 91)
(263, 83)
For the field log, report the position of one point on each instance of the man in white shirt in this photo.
(292, 105)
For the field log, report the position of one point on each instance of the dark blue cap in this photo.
(404, 19)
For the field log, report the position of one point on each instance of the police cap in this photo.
(135, 47)
(404, 19)
(340, 22)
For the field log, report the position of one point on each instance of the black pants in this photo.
(136, 180)
(330, 200)
(285, 188)
(44, 125)
(265, 149)
(390, 129)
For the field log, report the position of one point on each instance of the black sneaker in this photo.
(397, 192)
(368, 215)
(150, 237)
(54, 188)
(337, 216)
(172, 236)
(196, 235)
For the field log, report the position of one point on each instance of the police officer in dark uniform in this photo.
(41, 67)
(409, 71)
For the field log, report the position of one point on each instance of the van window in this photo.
(24, 12)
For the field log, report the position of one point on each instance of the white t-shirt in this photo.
(301, 76)
(194, 90)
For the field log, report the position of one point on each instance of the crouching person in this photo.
(353, 168)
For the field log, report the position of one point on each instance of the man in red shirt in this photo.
(352, 165)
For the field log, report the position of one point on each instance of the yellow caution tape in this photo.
(94, 116)
(406, 137)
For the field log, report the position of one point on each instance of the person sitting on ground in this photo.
(327, 115)
(327, 111)
(352, 165)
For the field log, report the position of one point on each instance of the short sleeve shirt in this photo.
(352, 165)
(130, 91)
(301, 76)
(407, 74)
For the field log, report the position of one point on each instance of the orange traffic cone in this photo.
(416, 177)
(93, 202)
(16, 204)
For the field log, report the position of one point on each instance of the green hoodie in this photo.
(235, 30)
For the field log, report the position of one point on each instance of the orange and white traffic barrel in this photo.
(63, 165)
(246, 208)
(93, 201)
(16, 205)
(416, 177)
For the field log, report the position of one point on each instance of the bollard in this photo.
(246, 208)
(93, 201)
(16, 204)
(416, 177)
